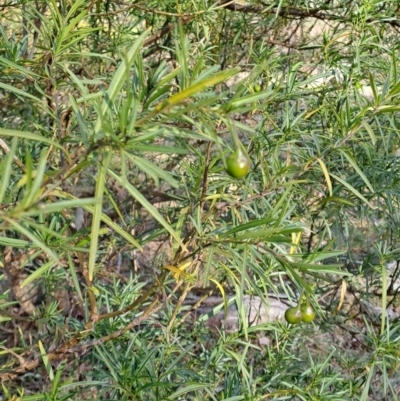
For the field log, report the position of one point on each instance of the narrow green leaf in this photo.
(216, 310)
(67, 44)
(244, 100)
(156, 95)
(374, 90)
(6, 169)
(34, 192)
(387, 108)
(189, 387)
(74, 8)
(317, 256)
(294, 276)
(150, 168)
(358, 170)
(331, 269)
(39, 272)
(14, 66)
(315, 81)
(120, 75)
(76, 80)
(245, 226)
(74, 276)
(264, 234)
(352, 189)
(74, 22)
(157, 148)
(115, 206)
(169, 78)
(64, 40)
(46, 361)
(335, 199)
(148, 206)
(395, 90)
(370, 131)
(30, 136)
(19, 228)
(56, 382)
(104, 218)
(20, 92)
(4, 305)
(52, 207)
(204, 74)
(14, 242)
(367, 384)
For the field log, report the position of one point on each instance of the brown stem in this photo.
(205, 177)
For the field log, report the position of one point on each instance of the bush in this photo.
(120, 225)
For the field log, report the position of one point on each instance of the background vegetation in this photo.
(118, 220)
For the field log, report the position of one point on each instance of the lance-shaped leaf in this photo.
(147, 205)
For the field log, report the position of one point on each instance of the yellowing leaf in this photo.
(309, 114)
(95, 291)
(196, 88)
(179, 271)
(222, 291)
(296, 240)
(342, 294)
(326, 174)
(24, 179)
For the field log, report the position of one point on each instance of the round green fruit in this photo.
(237, 165)
(257, 88)
(308, 313)
(293, 315)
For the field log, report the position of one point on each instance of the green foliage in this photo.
(118, 125)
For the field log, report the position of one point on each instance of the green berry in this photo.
(237, 164)
(308, 313)
(293, 315)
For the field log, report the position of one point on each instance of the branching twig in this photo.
(164, 31)
(18, 162)
(68, 348)
(294, 12)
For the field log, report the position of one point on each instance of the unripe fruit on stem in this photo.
(237, 164)
(308, 313)
(293, 315)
